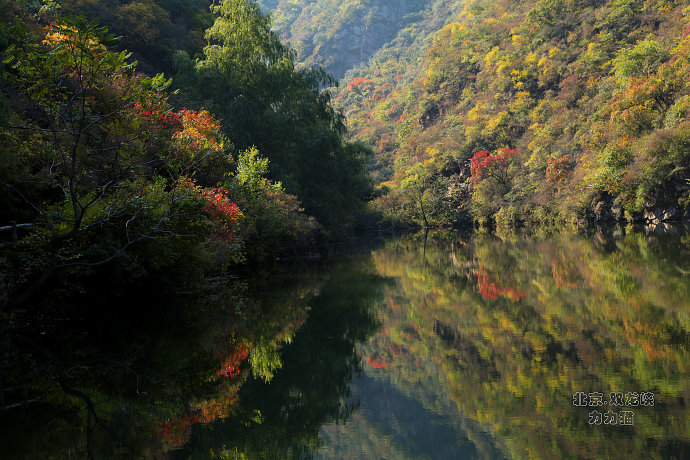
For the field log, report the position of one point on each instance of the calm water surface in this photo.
(512, 347)
(440, 346)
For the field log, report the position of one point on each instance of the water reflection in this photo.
(280, 418)
(509, 329)
(94, 375)
(235, 371)
(443, 346)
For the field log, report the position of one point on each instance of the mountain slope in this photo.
(339, 35)
(581, 107)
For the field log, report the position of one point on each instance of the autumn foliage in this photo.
(491, 291)
(483, 164)
(377, 363)
(222, 212)
(231, 364)
(70, 38)
(504, 76)
(157, 116)
(360, 85)
(380, 93)
(558, 169)
(200, 132)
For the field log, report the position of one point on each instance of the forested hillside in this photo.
(167, 166)
(340, 35)
(529, 111)
(487, 111)
(134, 205)
(112, 169)
(151, 30)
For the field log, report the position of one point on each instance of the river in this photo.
(427, 346)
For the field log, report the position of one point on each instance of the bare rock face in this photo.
(429, 116)
(662, 228)
(601, 208)
(659, 214)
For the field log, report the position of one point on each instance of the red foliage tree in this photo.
(360, 85)
(199, 132)
(377, 363)
(558, 169)
(223, 212)
(381, 92)
(483, 165)
(157, 116)
(384, 144)
(231, 364)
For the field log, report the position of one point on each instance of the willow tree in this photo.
(247, 76)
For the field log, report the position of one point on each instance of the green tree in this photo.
(248, 79)
(417, 187)
(274, 224)
(97, 147)
(84, 123)
(640, 61)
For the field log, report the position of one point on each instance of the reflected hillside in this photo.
(510, 329)
(133, 377)
(280, 417)
(427, 348)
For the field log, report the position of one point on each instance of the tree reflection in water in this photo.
(485, 339)
(509, 328)
(281, 418)
(121, 375)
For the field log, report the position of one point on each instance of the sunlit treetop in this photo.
(71, 38)
(200, 132)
